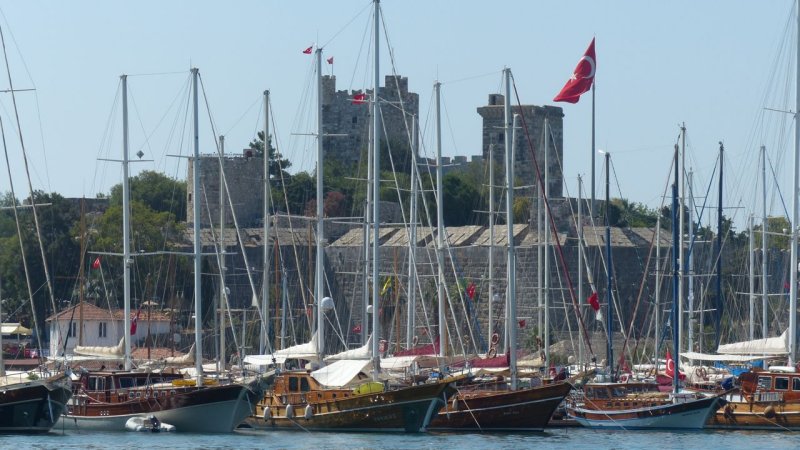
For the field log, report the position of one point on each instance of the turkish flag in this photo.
(521, 323)
(359, 99)
(308, 50)
(671, 368)
(593, 302)
(582, 78)
(471, 291)
(330, 60)
(133, 322)
(96, 263)
(357, 329)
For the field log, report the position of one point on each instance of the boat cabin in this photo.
(107, 385)
(763, 386)
(622, 396)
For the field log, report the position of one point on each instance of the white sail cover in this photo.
(101, 351)
(306, 351)
(342, 373)
(363, 352)
(707, 357)
(188, 358)
(774, 346)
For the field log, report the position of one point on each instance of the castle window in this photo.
(355, 119)
(500, 137)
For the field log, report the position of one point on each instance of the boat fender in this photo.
(309, 413)
(267, 414)
(701, 372)
(495, 338)
(623, 378)
(289, 411)
(492, 352)
(454, 405)
(769, 412)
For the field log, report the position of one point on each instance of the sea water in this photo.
(558, 438)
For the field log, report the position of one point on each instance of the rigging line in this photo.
(28, 176)
(37, 326)
(346, 25)
(364, 38)
(245, 113)
(775, 177)
(150, 74)
(224, 180)
(562, 259)
(469, 78)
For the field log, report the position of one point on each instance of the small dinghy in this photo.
(149, 423)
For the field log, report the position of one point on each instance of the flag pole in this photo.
(593, 149)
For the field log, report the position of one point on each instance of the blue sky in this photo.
(714, 65)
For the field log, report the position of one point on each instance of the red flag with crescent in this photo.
(582, 78)
(471, 291)
(671, 368)
(308, 50)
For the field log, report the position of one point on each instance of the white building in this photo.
(101, 327)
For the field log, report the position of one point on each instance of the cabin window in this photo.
(600, 393)
(126, 382)
(782, 383)
(97, 384)
(293, 384)
(304, 387)
(796, 384)
(765, 383)
(73, 329)
(103, 330)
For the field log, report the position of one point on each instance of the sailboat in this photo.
(106, 400)
(640, 405)
(345, 402)
(498, 405)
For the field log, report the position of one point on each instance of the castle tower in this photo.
(493, 133)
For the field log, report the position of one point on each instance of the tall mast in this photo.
(126, 224)
(657, 327)
(223, 298)
(507, 126)
(319, 266)
(412, 239)
(675, 279)
(376, 196)
(365, 325)
(764, 237)
(609, 275)
(546, 329)
(2, 362)
(719, 305)
(540, 235)
(752, 274)
(681, 263)
(198, 263)
(690, 265)
(440, 230)
(267, 199)
(491, 242)
(795, 206)
(511, 322)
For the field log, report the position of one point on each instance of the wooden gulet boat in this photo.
(33, 406)
(105, 400)
(768, 400)
(297, 401)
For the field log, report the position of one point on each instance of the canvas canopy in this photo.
(16, 328)
(306, 351)
(730, 358)
(774, 346)
(341, 373)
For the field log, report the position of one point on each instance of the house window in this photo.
(103, 330)
(73, 329)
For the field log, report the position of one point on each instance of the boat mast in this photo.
(546, 329)
(440, 230)
(412, 239)
(491, 244)
(609, 275)
(198, 262)
(719, 305)
(752, 274)
(540, 235)
(320, 272)
(657, 327)
(126, 224)
(690, 264)
(795, 212)
(681, 221)
(764, 237)
(267, 199)
(509, 187)
(511, 298)
(675, 279)
(376, 192)
(2, 362)
(223, 300)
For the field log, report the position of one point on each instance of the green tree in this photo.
(156, 190)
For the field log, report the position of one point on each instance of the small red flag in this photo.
(522, 323)
(671, 368)
(357, 329)
(593, 302)
(359, 99)
(581, 80)
(135, 319)
(308, 50)
(96, 263)
(330, 60)
(471, 291)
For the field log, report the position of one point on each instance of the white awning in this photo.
(403, 362)
(340, 373)
(774, 346)
(16, 328)
(709, 357)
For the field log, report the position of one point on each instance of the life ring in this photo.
(414, 341)
(495, 339)
(624, 378)
(701, 372)
(382, 345)
(492, 352)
